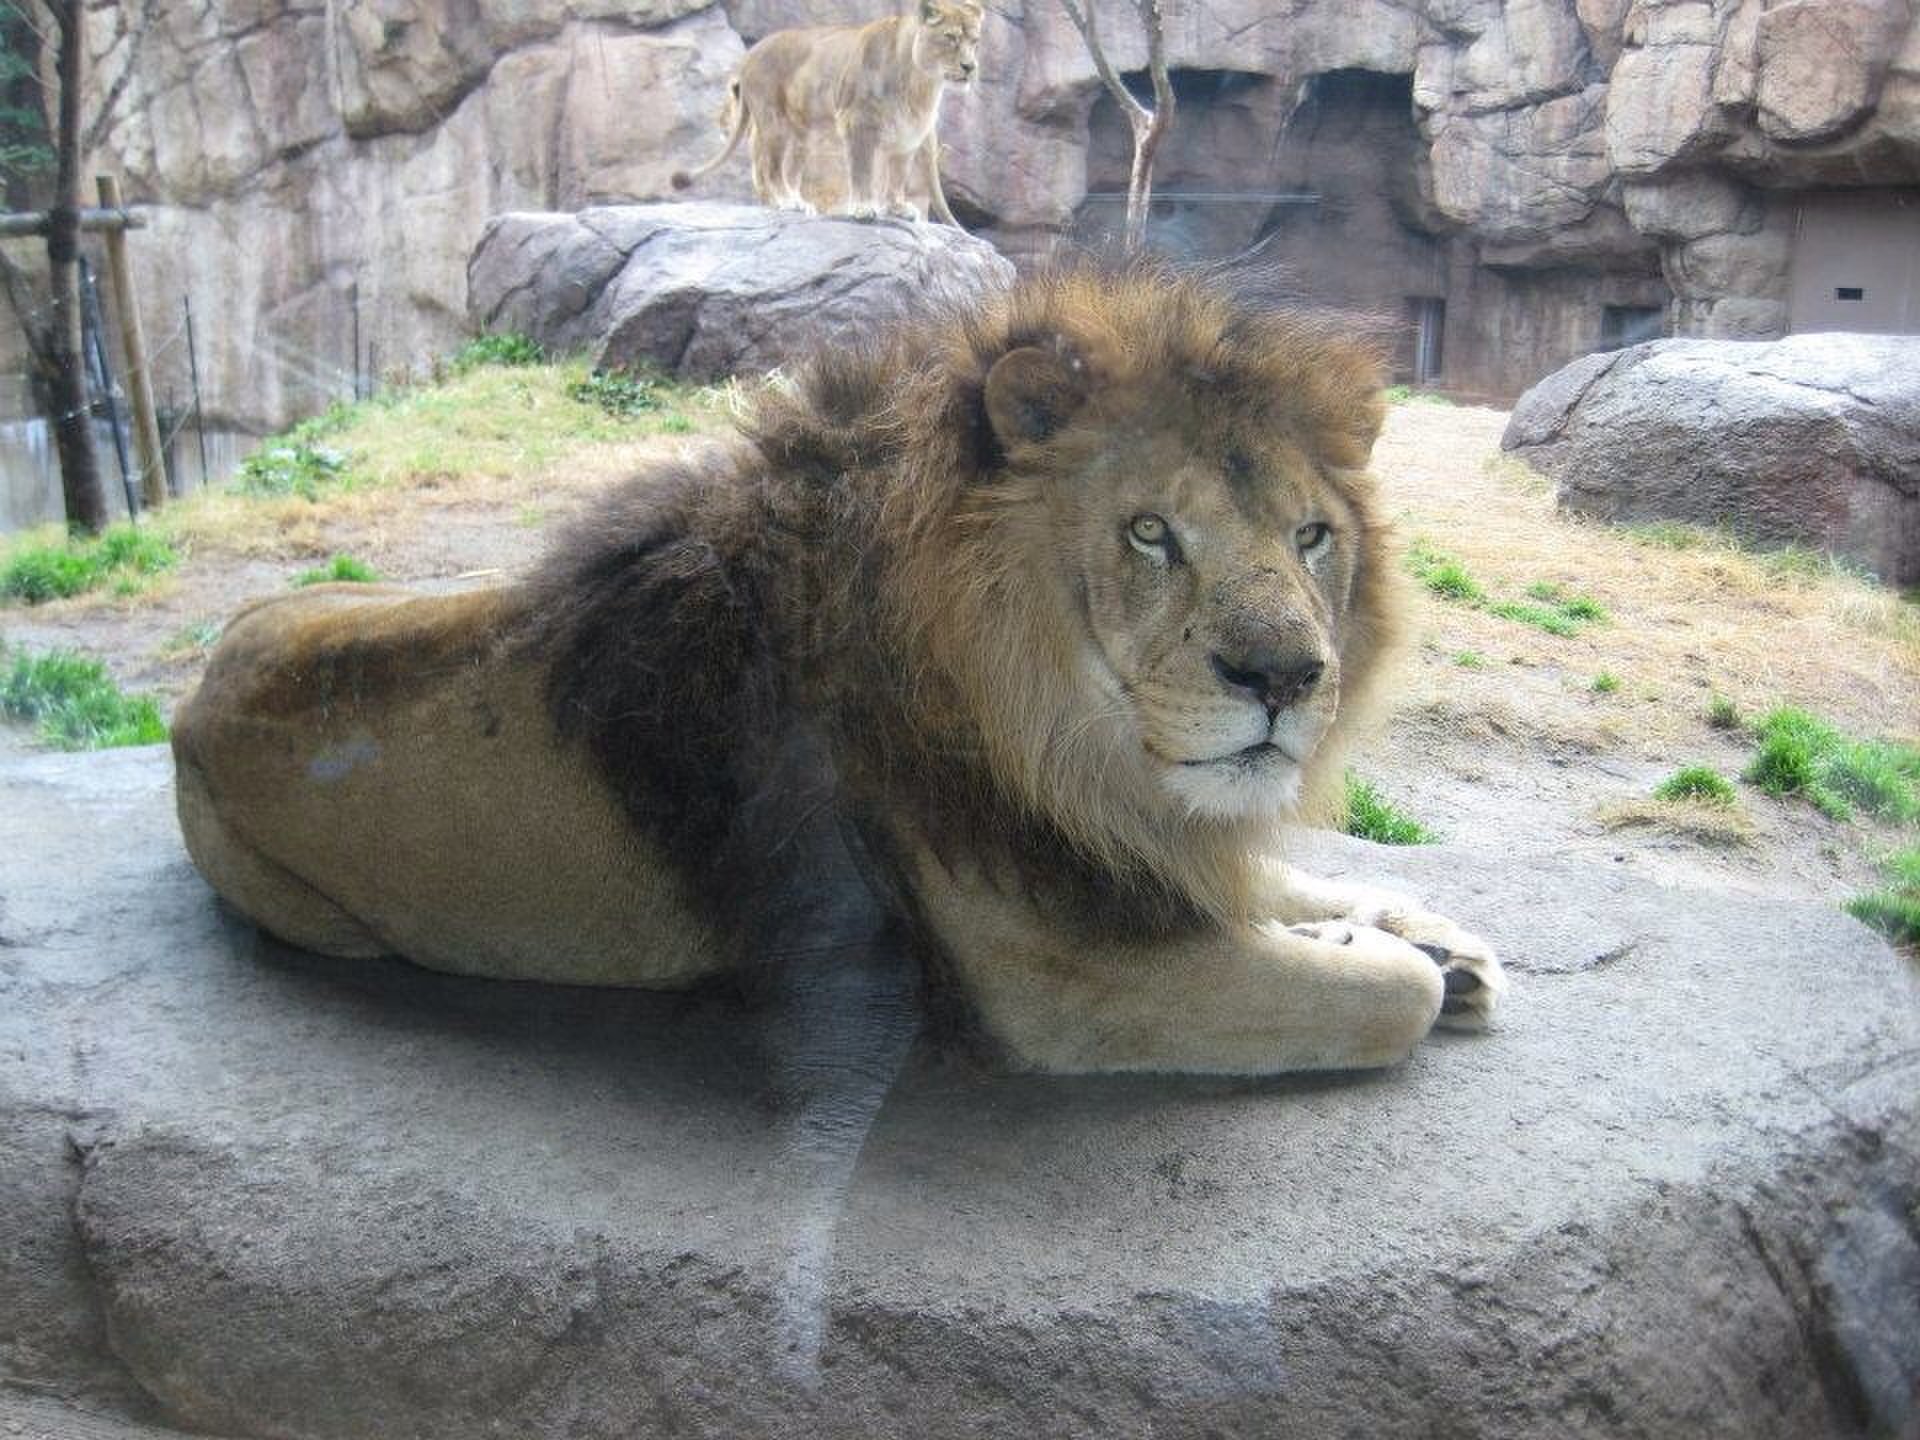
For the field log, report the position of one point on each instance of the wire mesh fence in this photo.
(199, 444)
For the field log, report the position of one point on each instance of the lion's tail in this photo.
(737, 109)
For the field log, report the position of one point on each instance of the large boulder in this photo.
(1811, 440)
(705, 291)
(256, 1192)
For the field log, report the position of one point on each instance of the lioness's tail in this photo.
(738, 109)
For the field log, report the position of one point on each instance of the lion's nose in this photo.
(966, 70)
(1274, 681)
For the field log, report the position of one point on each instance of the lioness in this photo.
(877, 87)
(1057, 606)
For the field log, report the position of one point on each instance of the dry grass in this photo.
(1683, 623)
(1701, 822)
(493, 437)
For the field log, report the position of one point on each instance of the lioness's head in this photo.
(947, 38)
(1166, 584)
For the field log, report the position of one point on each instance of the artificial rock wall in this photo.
(1526, 164)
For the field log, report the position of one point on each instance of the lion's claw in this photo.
(1472, 979)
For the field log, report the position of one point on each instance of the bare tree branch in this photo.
(1149, 126)
(134, 31)
(1087, 24)
(1151, 18)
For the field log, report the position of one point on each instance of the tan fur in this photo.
(369, 772)
(927, 558)
(873, 91)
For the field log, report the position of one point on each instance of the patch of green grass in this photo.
(1895, 909)
(618, 392)
(1550, 607)
(674, 423)
(505, 350)
(1799, 562)
(1538, 616)
(76, 703)
(1470, 660)
(1443, 575)
(1722, 713)
(1695, 782)
(1371, 816)
(1605, 683)
(1800, 754)
(1407, 395)
(126, 556)
(291, 465)
(345, 569)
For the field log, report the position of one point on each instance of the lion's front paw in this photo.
(863, 212)
(906, 210)
(1472, 975)
(1368, 942)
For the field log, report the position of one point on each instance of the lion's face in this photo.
(948, 39)
(1214, 577)
(1215, 563)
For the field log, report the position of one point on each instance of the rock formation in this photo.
(1813, 440)
(1552, 173)
(705, 291)
(253, 1192)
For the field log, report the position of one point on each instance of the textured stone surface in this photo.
(294, 153)
(1813, 439)
(706, 291)
(1673, 1195)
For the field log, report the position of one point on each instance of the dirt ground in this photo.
(1499, 739)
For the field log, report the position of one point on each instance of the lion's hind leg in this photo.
(269, 894)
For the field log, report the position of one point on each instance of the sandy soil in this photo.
(1520, 753)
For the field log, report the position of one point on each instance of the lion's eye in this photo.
(1312, 537)
(1153, 537)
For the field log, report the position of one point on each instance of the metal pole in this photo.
(126, 305)
(176, 486)
(199, 414)
(97, 343)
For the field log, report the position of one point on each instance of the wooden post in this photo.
(126, 308)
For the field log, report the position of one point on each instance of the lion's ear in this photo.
(1032, 392)
(929, 12)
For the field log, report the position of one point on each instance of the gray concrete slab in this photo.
(261, 1193)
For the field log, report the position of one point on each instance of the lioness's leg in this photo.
(893, 175)
(1473, 977)
(791, 169)
(766, 168)
(1260, 1000)
(863, 145)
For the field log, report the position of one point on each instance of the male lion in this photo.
(1057, 607)
(876, 86)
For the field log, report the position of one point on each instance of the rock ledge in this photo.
(254, 1192)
